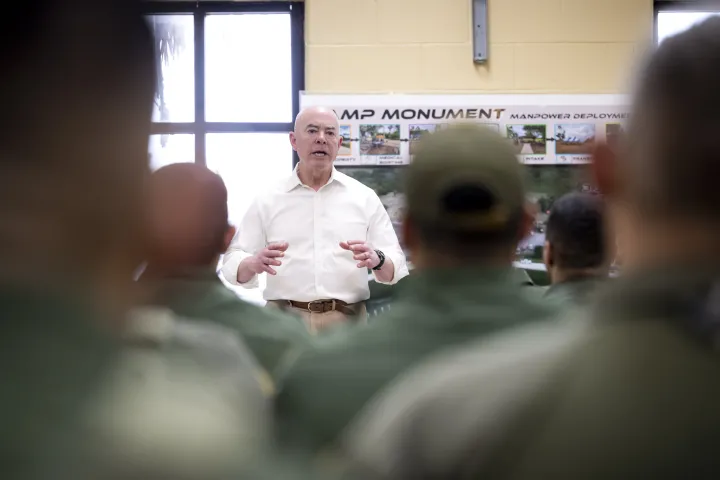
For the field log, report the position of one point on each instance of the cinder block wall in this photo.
(536, 46)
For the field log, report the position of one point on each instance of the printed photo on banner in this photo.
(613, 133)
(346, 147)
(574, 139)
(380, 139)
(417, 132)
(530, 141)
(574, 143)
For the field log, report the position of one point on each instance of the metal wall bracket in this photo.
(480, 30)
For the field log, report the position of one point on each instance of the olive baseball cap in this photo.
(465, 178)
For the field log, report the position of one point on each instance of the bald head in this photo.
(316, 138)
(188, 216)
(312, 113)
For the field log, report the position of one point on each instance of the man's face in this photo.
(316, 138)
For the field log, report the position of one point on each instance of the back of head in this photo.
(465, 193)
(76, 86)
(189, 216)
(672, 160)
(576, 232)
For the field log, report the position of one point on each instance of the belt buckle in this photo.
(321, 303)
(315, 302)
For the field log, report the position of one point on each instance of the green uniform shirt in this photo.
(631, 393)
(53, 360)
(325, 389)
(575, 291)
(272, 336)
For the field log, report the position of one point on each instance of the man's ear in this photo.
(293, 141)
(409, 235)
(229, 235)
(548, 255)
(527, 221)
(603, 167)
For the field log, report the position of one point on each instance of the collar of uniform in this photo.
(664, 290)
(294, 180)
(576, 287)
(461, 282)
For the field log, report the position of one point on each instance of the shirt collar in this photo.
(294, 181)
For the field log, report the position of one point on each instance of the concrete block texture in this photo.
(536, 46)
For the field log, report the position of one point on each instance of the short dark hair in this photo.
(576, 231)
(76, 88)
(672, 160)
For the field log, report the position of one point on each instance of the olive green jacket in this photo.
(575, 291)
(629, 392)
(53, 361)
(433, 310)
(273, 337)
(163, 397)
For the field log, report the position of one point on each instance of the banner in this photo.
(384, 130)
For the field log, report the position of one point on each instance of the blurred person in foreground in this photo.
(73, 169)
(634, 391)
(190, 231)
(466, 212)
(316, 234)
(576, 248)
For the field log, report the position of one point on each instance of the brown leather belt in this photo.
(323, 306)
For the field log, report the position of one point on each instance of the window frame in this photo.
(200, 10)
(680, 6)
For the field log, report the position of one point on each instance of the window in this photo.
(675, 17)
(225, 67)
(248, 84)
(250, 163)
(167, 149)
(229, 82)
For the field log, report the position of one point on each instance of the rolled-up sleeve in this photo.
(381, 235)
(249, 239)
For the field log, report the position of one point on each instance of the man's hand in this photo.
(270, 255)
(362, 252)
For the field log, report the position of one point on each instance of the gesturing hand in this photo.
(269, 255)
(362, 252)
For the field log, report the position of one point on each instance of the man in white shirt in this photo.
(316, 233)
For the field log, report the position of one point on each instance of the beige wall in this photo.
(536, 46)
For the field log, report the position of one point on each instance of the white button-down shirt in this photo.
(313, 223)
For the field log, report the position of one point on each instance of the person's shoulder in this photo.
(227, 302)
(185, 395)
(484, 385)
(192, 345)
(337, 350)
